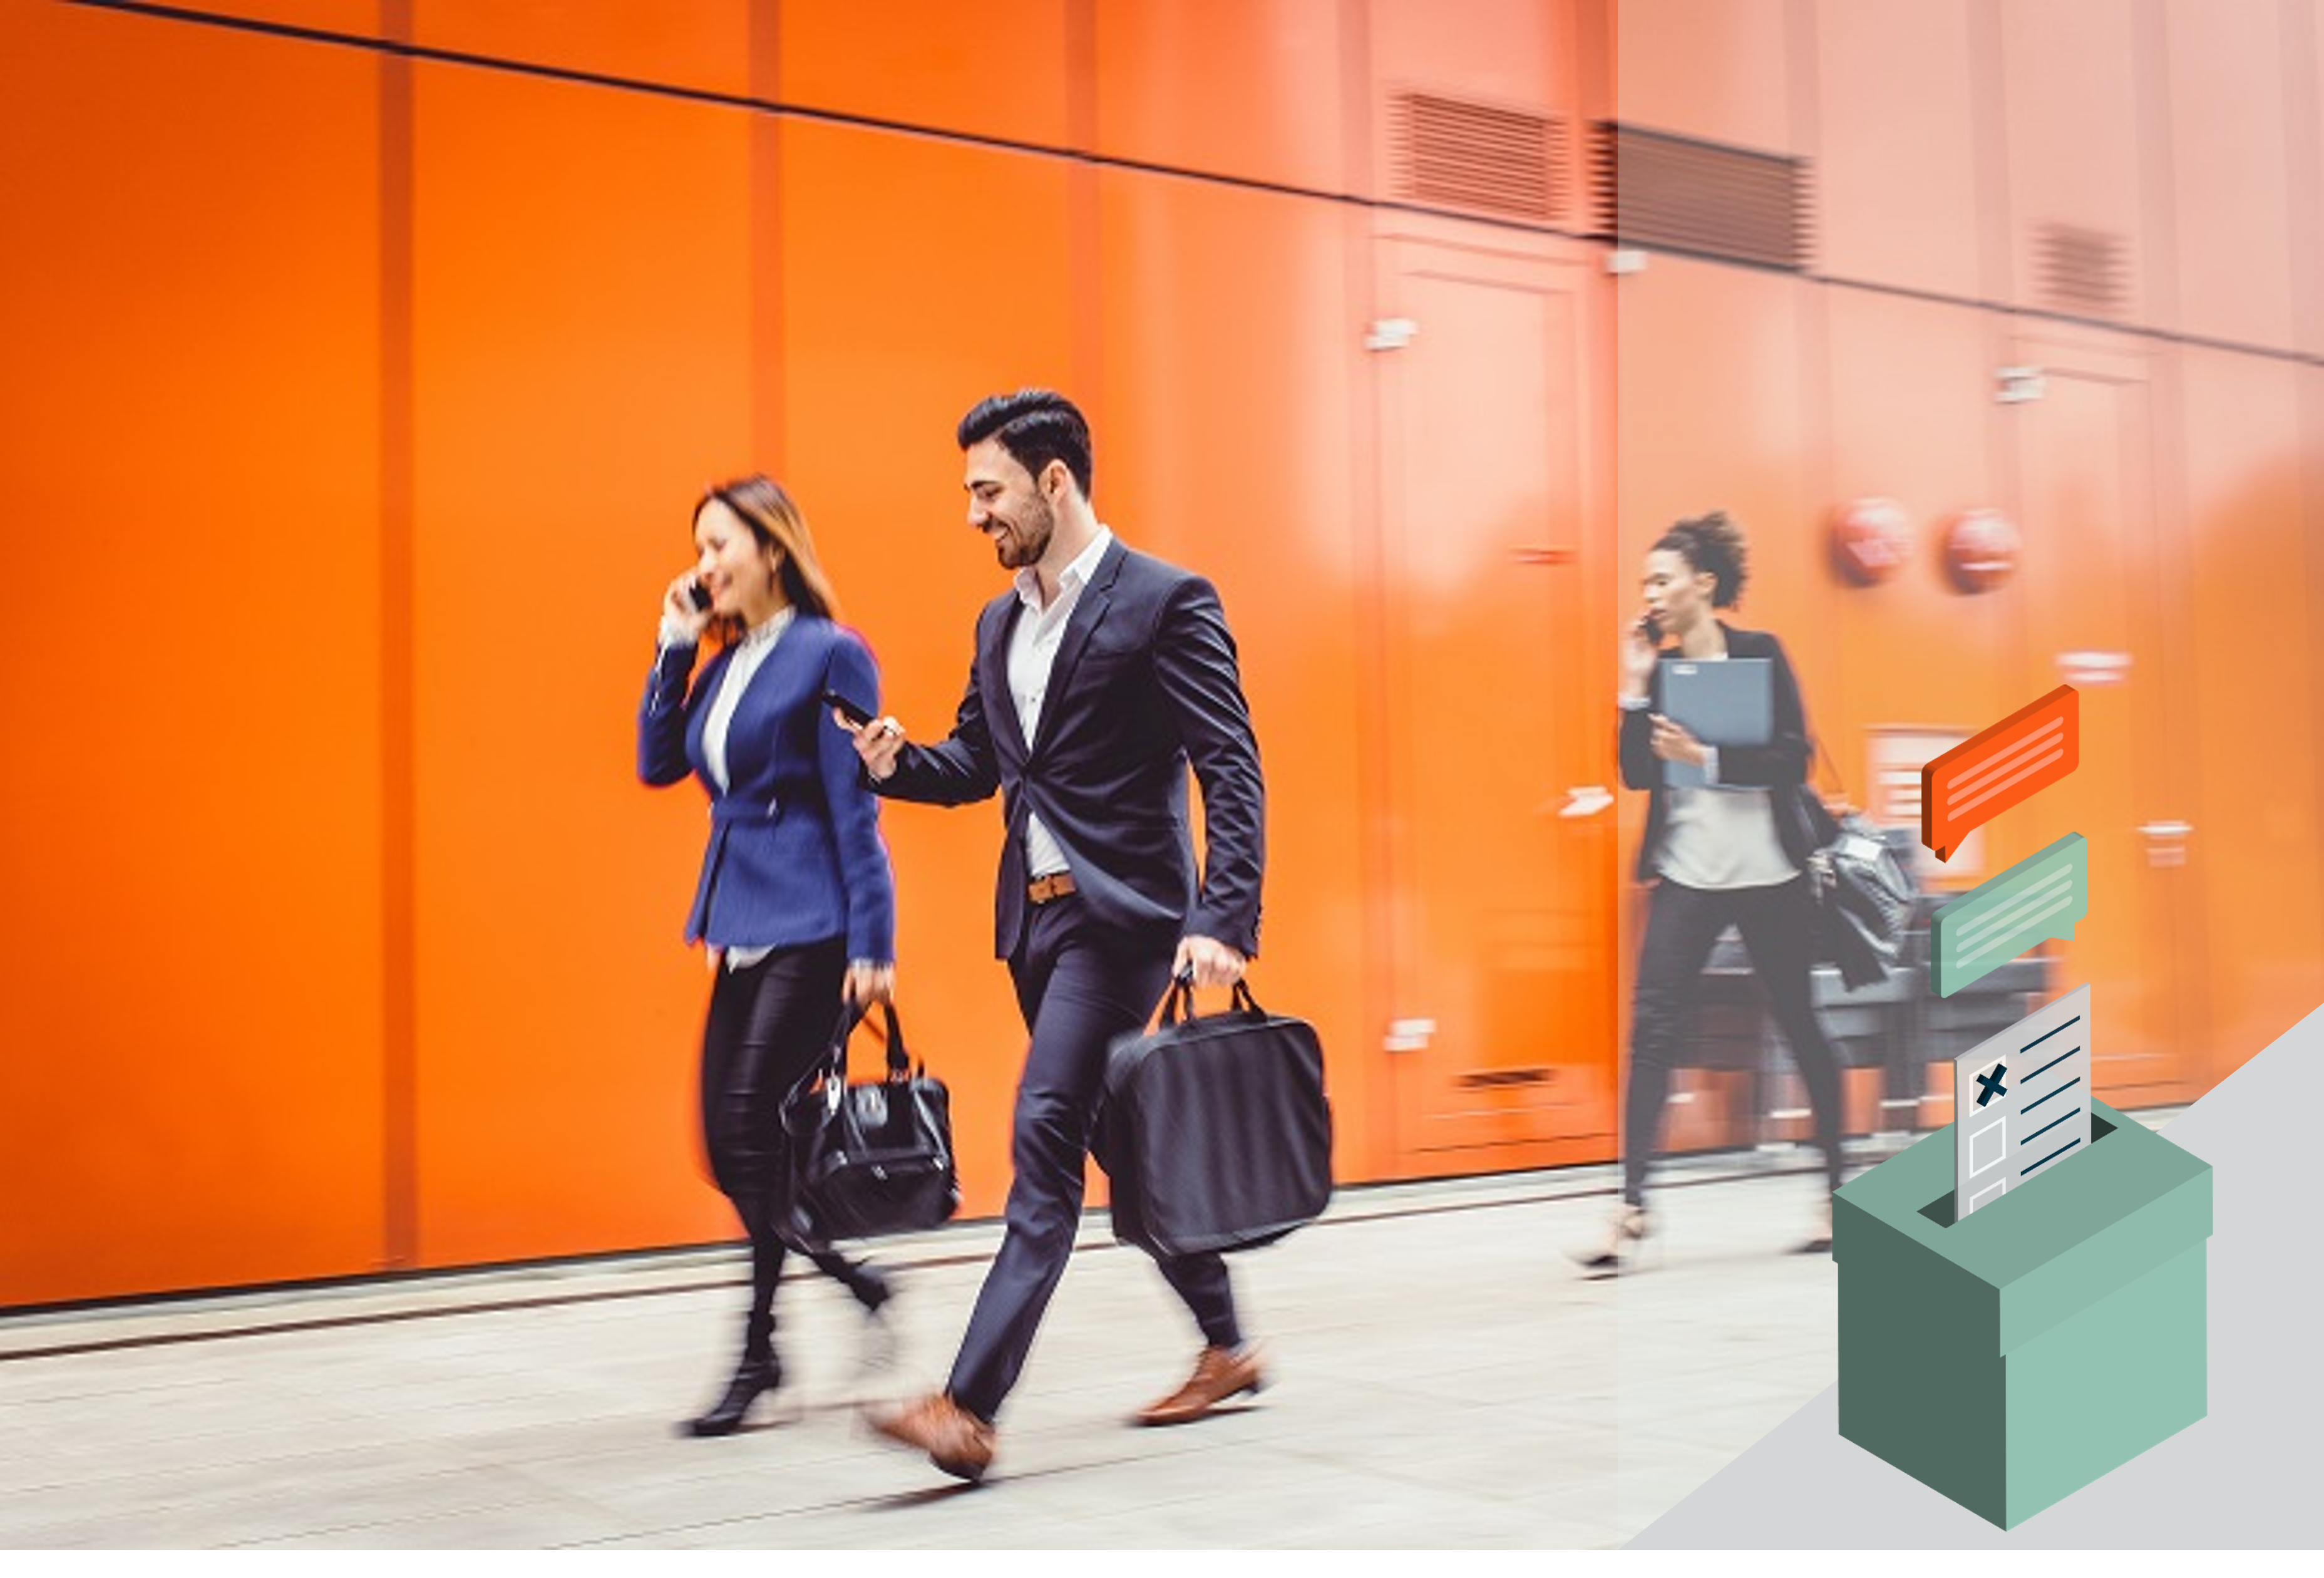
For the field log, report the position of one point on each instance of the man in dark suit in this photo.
(1097, 678)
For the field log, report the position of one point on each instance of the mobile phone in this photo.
(846, 708)
(699, 594)
(1651, 627)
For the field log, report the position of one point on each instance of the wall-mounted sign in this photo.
(1870, 541)
(1980, 549)
(2087, 668)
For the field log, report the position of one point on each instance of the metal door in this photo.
(1501, 838)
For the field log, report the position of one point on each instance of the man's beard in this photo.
(1024, 545)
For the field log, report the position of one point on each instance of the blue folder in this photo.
(1721, 702)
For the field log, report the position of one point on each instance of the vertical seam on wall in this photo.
(1085, 245)
(2158, 195)
(1997, 222)
(764, 253)
(399, 1072)
(1820, 450)
(2163, 417)
(1989, 145)
(1360, 275)
(2303, 122)
(2303, 168)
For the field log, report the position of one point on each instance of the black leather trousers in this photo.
(769, 1023)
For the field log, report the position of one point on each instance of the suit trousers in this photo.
(769, 1023)
(1778, 927)
(1079, 985)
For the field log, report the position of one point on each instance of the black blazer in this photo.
(1780, 765)
(1145, 682)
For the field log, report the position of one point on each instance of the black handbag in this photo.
(875, 1158)
(1864, 892)
(1214, 1129)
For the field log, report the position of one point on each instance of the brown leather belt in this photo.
(1056, 885)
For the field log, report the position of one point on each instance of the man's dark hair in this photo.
(1036, 425)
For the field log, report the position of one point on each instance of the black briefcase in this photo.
(1215, 1129)
(875, 1158)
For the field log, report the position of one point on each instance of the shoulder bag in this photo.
(1864, 893)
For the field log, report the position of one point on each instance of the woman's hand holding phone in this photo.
(686, 606)
(1641, 646)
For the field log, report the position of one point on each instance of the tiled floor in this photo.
(1445, 1378)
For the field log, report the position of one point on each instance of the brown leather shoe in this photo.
(1220, 1373)
(955, 1440)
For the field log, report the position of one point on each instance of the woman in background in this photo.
(1733, 853)
(796, 902)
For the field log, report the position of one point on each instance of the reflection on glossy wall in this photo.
(355, 398)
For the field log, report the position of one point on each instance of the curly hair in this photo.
(1711, 542)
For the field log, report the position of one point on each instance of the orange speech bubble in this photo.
(2004, 766)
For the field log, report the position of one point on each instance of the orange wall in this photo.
(344, 939)
(189, 1007)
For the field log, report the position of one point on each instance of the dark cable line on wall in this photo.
(715, 97)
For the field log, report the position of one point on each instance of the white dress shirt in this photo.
(1032, 654)
(749, 653)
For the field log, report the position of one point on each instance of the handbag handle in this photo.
(1841, 783)
(802, 1108)
(851, 1014)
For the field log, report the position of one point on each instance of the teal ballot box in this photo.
(2011, 1358)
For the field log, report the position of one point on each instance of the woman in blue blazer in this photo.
(796, 902)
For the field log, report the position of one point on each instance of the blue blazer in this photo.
(795, 854)
(1145, 682)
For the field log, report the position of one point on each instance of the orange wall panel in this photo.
(948, 282)
(581, 304)
(1898, 103)
(2229, 185)
(190, 996)
(1001, 70)
(2071, 108)
(699, 44)
(354, 18)
(1254, 88)
(2255, 844)
(1208, 289)
(2304, 111)
(1911, 408)
(1718, 69)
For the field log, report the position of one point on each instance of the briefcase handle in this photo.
(1178, 1002)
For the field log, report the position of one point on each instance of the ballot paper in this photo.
(2022, 1104)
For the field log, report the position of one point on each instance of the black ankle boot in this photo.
(752, 1377)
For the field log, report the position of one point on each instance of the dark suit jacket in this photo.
(795, 854)
(1780, 765)
(1145, 682)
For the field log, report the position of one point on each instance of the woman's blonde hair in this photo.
(761, 504)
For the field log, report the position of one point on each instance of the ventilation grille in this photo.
(1655, 189)
(1459, 154)
(2082, 271)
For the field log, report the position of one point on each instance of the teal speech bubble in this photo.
(2040, 898)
